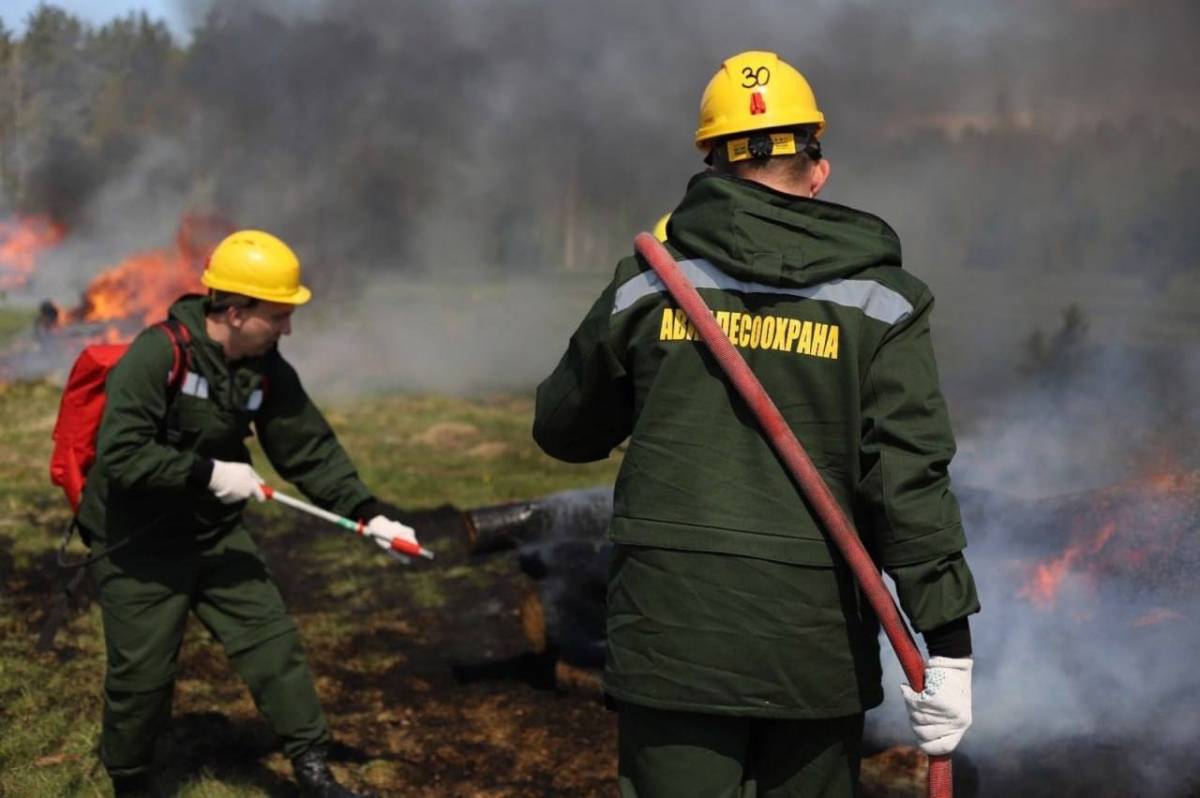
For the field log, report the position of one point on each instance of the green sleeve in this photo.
(936, 592)
(135, 412)
(303, 448)
(585, 407)
(912, 518)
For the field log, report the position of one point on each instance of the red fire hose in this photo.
(806, 475)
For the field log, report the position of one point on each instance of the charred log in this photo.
(46, 319)
(560, 545)
(543, 665)
(570, 515)
(494, 528)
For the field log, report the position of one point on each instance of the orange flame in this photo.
(1143, 522)
(144, 285)
(21, 239)
(1156, 616)
(1047, 577)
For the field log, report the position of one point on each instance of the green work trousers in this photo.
(147, 590)
(669, 754)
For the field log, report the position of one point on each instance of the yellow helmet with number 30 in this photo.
(755, 90)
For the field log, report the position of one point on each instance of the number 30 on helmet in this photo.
(755, 90)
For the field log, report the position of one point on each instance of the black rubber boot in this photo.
(316, 780)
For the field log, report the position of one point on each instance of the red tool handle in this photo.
(806, 475)
(406, 547)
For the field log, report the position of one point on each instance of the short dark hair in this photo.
(220, 301)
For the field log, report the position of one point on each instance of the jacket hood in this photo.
(757, 234)
(188, 310)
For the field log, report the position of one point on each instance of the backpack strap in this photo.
(180, 338)
(181, 360)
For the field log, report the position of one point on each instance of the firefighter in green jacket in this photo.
(172, 477)
(741, 654)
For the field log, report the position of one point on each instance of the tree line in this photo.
(436, 140)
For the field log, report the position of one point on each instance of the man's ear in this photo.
(817, 176)
(235, 317)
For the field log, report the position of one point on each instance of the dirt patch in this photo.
(453, 435)
(488, 450)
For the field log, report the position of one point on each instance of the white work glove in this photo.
(384, 530)
(941, 713)
(235, 482)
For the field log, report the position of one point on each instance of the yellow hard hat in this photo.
(256, 264)
(660, 227)
(755, 90)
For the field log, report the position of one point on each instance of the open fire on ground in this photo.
(117, 303)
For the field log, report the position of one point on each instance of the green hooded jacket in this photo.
(141, 480)
(813, 296)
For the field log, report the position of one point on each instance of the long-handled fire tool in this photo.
(806, 476)
(62, 607)
(357, 527)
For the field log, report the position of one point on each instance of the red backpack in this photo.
(82, 407)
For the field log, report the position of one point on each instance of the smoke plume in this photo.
(460, 176)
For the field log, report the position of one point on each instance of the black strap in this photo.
(73, 524)
(62, 606)
(58, 612)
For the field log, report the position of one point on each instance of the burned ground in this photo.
(428, 674)
(406, 721)
(389, 683)
(424, 671)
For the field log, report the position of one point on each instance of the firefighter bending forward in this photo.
(741, 655)
(172, 471)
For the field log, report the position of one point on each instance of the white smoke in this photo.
(1094, 687)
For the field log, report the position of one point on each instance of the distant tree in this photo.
(52, 47)
(52, 107)
(137, 66)
(8, 115)
(80, 100)
(138, 61)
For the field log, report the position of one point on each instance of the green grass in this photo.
(414, 451)
(14, 321)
